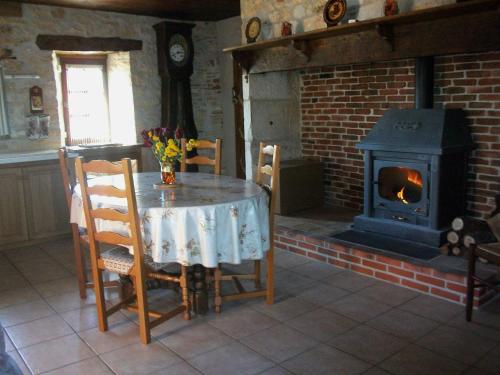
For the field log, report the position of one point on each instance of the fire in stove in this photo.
(400, 184)
(415, 179)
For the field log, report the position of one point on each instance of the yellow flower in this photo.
(191, 144)
(150, 134)
(155, 138)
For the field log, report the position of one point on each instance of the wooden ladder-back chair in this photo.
(138, 266)
(264, 172)
(79, 240)
(201, 159)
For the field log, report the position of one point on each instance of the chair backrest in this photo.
(131, 217)
(268, 174)
(201, 159)
(67, 178)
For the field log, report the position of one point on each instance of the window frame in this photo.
(94, 59)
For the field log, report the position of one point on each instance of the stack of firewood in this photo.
(465, 232)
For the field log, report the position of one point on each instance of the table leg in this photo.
(199, 290)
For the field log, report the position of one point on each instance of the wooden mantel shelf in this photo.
(471, 26)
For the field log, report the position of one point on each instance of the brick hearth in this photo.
(422, 276)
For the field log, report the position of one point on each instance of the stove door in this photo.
(401, 186)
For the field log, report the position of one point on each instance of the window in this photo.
(85, 99)
(4, 126)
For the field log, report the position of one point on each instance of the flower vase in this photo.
(167, 173)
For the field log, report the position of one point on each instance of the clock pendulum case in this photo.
(175, 65)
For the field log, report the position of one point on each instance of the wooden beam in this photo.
(10, 9)
(452, 29)
(77, 43)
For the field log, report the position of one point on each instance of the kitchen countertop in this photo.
(26, 157)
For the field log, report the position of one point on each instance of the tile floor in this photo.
(325, 321)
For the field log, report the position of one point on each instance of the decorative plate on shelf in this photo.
(253, 29)
(334, 11)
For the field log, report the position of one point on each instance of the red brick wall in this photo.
(340, 105)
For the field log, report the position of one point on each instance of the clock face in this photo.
(178, 49)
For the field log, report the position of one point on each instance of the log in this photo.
(479, 238)
(468, 224)
(457, 250)
(453, 237)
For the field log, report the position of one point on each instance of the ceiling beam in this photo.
(77, 43)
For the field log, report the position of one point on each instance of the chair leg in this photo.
(257, 282)
(185, 293)
(142, 309)
(217, 282)
(79, 262)
(99, 298)
(470, 284)
(270, 277)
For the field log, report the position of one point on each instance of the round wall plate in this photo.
(334, 11)
(253, 29)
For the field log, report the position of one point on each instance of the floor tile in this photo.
(368, 344)
(491, 361)
(287, 309)
(292, 282)
(376, 371)
(279, 343)
(316, 270)
(25, 312)
(16, 357)
(18, 296)
(38, 331)
(12, 281)
(59, 286)
(358, 307)
(86, 318)
(350, 281)
(7, 268)
(9, 346)
(414, 360)
(242, 321)
(21, 254)
(322, 294)
(403, 324)
(118, 336)
(389, 294)
(195, 340)
(182, 368)
(433, 308)
(230, 359)
(277, 370)
(70, 301)
(456, 344)
(56, 353)
(289, 260)
(322, 324)
(475, 327)
(173, 325)
(324, 359)
(140, 359)
(92, 366)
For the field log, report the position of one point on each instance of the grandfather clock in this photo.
(175, 66)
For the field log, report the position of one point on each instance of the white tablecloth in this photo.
(206, 219)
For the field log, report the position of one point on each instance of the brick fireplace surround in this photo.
(339, 106)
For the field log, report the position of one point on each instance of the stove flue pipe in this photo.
(424, 82)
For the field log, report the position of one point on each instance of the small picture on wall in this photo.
(36, 100)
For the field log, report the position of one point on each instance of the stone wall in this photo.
(308, 15)
(19, 33)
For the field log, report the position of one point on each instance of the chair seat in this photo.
(489, 251)
(119, 260)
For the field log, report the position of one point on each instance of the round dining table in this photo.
(204, 219)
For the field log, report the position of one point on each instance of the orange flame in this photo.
(414, 176)
(401, 195)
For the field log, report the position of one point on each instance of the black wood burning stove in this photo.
(415, 168)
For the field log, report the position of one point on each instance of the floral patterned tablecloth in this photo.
(206, 219)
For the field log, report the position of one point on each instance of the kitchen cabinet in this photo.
(13, 224)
